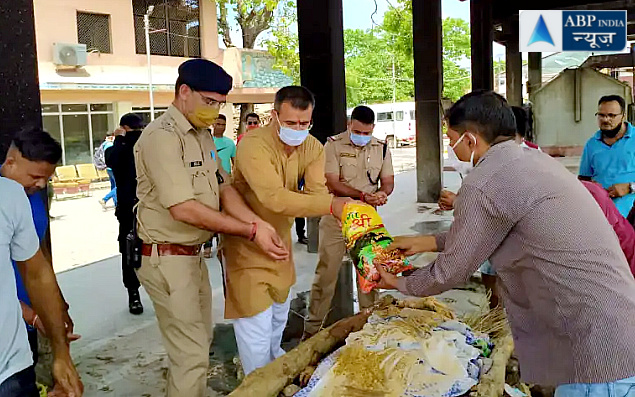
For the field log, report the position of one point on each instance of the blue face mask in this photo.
(360, 140)
(292, 137)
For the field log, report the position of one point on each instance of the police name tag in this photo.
(348, 155)
(196, 164)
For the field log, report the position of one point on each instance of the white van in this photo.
(394, 123)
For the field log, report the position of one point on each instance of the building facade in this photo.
(565, 107)
(552, 65)
(93, 67)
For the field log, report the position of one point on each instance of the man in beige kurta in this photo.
(269, 166)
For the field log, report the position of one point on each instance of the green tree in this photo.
(369, 56)
(369, 59)
(456, 80)
(283, 42)
(253, 18)
(456, 46)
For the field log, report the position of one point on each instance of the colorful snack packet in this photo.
(367, 241)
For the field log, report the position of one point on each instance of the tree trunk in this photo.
(223, 25)
(492, 384)
(44, 367)
(271, 379)
(249, 37)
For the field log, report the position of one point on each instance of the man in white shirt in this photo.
(19, 241)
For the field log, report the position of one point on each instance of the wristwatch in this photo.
(631, 187)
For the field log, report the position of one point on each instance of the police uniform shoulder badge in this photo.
(168, 125)
(336, 137)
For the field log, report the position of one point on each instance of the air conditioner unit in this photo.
(65, 54)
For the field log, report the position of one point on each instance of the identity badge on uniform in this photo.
(196, 163)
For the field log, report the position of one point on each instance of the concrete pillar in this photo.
(313, 235)
(230, 129)
(20, 106)
(481, 38)
(535, 72)
(121, 108)
(20, 92)
(209, 31)
(321, 42)
(342, 303)
(428, 72)
(513, 64)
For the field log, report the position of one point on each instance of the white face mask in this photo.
(290, 136)
(463, 167)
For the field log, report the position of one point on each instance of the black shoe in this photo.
(303, 240)
(134, 303)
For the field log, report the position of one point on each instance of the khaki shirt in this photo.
(175, 163)
(268, 181)
(359, 167)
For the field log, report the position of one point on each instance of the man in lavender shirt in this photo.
(565, 282)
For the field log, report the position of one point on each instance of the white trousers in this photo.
(259, 337)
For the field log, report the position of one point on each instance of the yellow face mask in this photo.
(203, 116)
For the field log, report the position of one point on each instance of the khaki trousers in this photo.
(331, 253)
(181, 294)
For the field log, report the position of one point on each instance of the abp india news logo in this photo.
(557, 30)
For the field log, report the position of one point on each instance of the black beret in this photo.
(131, 120)
(203, 75)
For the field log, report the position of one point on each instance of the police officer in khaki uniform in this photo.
(357, 166)
(181, 188)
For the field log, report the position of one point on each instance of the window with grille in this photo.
(144, 112)
(385, 116)
(94, 31)
(174, 27)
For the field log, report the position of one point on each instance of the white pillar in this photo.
(228, 111)
(121, 108)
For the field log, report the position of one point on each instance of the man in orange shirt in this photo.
(253, 122)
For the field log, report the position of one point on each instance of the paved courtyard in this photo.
(122, 355)
(83, 233)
